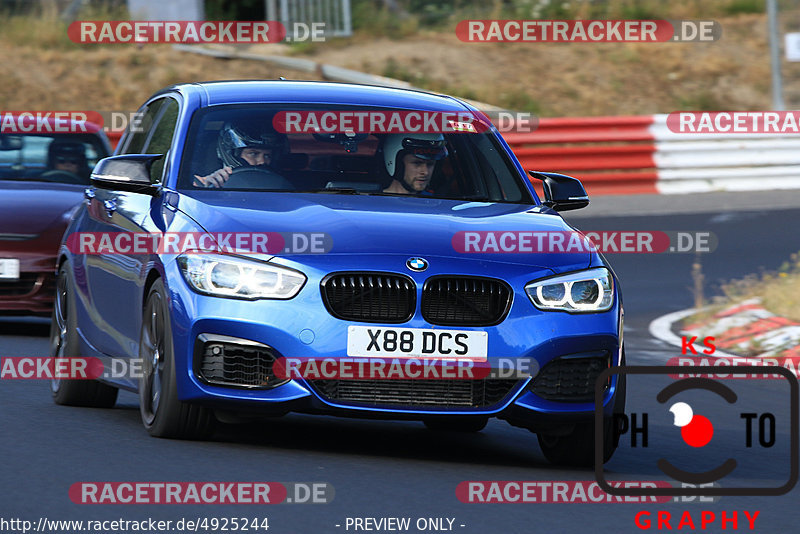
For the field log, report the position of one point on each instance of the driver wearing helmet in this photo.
(67, 156)
(238, 146)
(410, 160)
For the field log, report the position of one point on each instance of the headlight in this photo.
(228, 276)
(582, 291)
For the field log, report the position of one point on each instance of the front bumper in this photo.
(302, 327)
(34, 291)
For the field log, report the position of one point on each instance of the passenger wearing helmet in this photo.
(410, 160)
(239, 146)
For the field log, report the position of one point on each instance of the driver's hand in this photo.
(215, 179)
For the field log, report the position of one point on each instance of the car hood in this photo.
(30, 208)
(362, 224)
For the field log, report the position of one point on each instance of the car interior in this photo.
(312, 165)
(348, 162)
(26, 157)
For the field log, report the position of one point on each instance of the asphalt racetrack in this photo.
(385, 469)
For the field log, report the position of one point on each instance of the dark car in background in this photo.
(43, 176)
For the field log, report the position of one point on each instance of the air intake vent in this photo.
(416, 393)
(571, 378)
(233, 362)
(24, 285)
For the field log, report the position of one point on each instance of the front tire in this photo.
(64, 344)
(577, 447)
(163, 415)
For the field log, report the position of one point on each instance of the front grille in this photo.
(23, 286)
(466, 301)
(226, 361)
(369, 297)
(570, 379)
(416, 393)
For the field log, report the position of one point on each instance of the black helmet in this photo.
(234, 138)
(66, 151)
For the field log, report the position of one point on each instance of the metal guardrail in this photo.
(611, 155)
(639, 154)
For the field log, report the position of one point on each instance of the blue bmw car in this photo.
(246, 231)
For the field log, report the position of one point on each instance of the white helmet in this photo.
(429, 146)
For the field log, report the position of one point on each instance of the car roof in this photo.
(250, 91)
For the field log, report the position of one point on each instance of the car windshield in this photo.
(61, 158)
(261, 148)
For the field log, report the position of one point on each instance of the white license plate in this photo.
(9, 269)
(422, 343)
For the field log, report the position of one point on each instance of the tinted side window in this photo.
(136, 143)
(161, 140)
(36, 157)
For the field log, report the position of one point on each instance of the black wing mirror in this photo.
(562, 192)
(130, 172)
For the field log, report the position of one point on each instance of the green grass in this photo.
(42, 27)
(736, 7)
(371, 19)
(778, 291)
(393, 69)
(701, 100)
(519, 100)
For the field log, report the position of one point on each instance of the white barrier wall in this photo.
(696, 162)
(166, 10)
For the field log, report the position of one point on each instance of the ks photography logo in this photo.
(710, 420)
